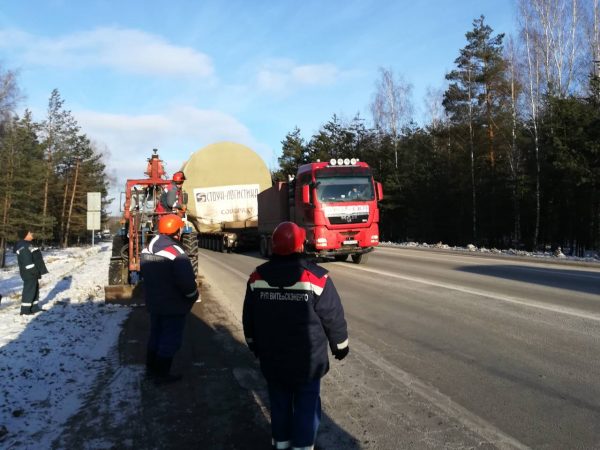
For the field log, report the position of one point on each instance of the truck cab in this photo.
(336, 202)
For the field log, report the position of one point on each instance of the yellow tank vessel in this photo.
(222, 184)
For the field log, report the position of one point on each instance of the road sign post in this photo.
(93, 212)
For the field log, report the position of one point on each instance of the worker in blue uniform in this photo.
(292, 314)
(170, 292)
(172, 198)
(31, 269)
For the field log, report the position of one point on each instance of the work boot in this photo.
(163, 375)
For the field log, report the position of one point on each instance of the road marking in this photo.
(548, 267)
(503, 298)
(471, 421)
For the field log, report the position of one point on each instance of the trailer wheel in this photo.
(360, 258)
(190, 246)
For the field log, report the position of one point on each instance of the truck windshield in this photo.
(344, 189)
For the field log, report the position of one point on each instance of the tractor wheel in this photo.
(189, 242)
(118, 243)
(117, 272)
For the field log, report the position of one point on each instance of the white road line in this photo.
(504, 298)
(471, 421)
(565, 270)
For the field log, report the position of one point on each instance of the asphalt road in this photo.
(454, 351)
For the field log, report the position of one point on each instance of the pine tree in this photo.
(293, 155)
(477, 87)
(20, 183)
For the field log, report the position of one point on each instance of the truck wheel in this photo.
(361, 258)
(340, 258)
(189, 242)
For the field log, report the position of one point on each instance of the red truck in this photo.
(335, 202)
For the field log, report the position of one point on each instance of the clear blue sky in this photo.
(179, 75)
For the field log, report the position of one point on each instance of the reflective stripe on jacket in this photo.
(27, 267)
(292, 314)
(169, 280)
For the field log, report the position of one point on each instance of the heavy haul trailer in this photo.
(140, 225)
(335, 202)
(223, 181)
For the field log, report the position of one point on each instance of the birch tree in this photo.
(436, 115)
(557, 29)
(514, 153)
(391, 106)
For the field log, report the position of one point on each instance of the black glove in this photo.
(252, 347)
(341, 353)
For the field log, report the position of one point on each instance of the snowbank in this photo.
(50, 361)
(555, 255)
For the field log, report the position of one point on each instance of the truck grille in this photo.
(349, 218)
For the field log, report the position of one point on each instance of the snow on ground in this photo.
(591, 256)
(49, 362)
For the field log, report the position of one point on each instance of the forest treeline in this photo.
(509, 155)
(48, 168)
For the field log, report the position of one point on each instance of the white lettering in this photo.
(351, 210)
(289, 296)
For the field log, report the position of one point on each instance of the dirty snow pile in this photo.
(50, 361)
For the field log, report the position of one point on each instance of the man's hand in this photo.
(340, 354)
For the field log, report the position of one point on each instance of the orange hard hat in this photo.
(179, 177)
(170, 224)
(288, 238)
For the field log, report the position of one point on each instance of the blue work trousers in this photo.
(166, 334)
(295, 413)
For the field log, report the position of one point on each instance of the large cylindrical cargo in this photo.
(223, 181)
